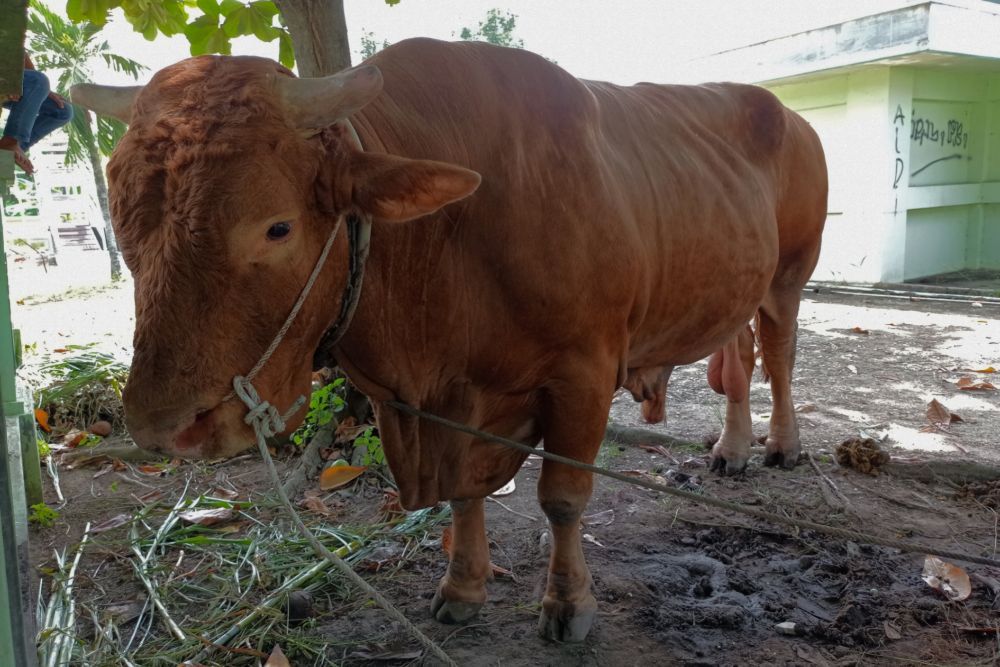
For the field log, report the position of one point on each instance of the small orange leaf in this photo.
(150, 469)
(42, 417)
(335, 477)
(61, 350)
(859, 330)
(988, 369)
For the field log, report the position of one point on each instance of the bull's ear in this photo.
(398, 189)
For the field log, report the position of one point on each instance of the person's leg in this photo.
(50, 118)
(24, 111)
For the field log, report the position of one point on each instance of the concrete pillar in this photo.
(879, 103)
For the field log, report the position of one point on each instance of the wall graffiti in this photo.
(898, 121)
(954, 134)
(940, 144)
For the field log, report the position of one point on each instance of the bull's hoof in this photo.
(567, 621)
(450, 612)
(784, 456)
(726, 462)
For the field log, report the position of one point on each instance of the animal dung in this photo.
(862, 454)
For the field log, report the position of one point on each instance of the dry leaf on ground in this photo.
(336, 476)
(969, 383)
(348, 430)
(859, 330)
(390, 504)
(315, 504)
(988, 369)
(277, 658)
(891, 630)
(207, 517)
(938, 413)
(950, 579)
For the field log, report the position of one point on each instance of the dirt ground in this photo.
(676, 583)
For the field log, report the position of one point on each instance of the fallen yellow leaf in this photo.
(42, 417)
(335, 477)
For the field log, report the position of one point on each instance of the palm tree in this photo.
(70, 48)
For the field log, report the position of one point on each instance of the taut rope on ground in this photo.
(844, 533)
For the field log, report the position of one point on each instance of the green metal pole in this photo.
(17, 641)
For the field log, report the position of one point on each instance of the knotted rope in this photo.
(267, 421)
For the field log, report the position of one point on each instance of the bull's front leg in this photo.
(462, 591)
(573, 426)
(568, 608)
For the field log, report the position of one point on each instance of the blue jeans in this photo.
(35, 116)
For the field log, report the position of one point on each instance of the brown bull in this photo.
(615, 230)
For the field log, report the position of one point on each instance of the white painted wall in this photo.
(914, 177)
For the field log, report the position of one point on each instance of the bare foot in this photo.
(20, 159)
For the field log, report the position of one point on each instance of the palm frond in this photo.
(109, 133)
(123, 64)
(80, 134)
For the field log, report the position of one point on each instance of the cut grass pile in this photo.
(212, 591)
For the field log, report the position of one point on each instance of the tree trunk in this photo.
(102, 198)
(319, 35)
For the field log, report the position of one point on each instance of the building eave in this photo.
(927, 33)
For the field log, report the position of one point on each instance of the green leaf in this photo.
(206, 36)
(286, 54)
(265, 8)
(253, 19)
(168, 17)
(227, 7)
(209, 7)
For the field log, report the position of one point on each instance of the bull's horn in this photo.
(114, 101)
(316, 103)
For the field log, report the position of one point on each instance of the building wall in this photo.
(914, 184)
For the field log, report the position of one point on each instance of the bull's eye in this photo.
(278, 230)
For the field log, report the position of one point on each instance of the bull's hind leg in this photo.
(462, 591)
(777, 329)
(729, 372)
(575, 418)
